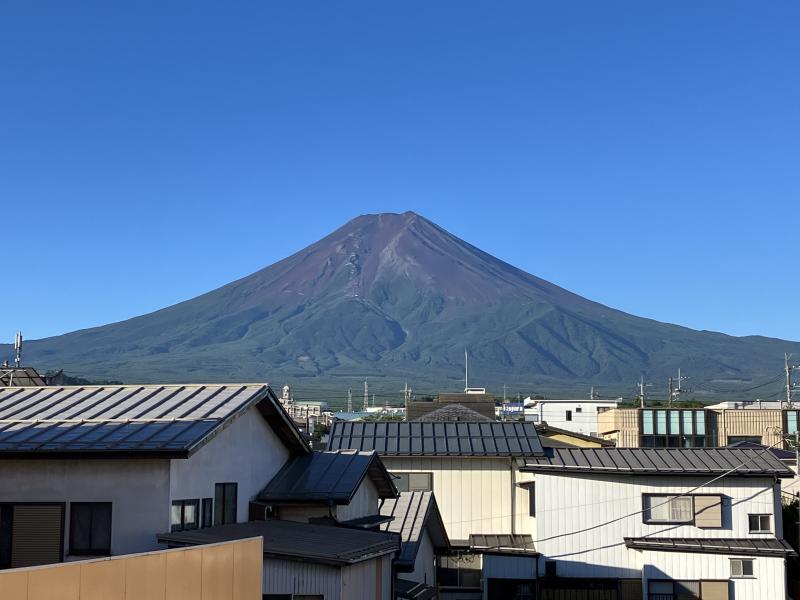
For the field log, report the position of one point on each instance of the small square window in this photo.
(90, 528)
(413, 482)
(759, 523)
(578, 409)
(184, 515)
(742, 567)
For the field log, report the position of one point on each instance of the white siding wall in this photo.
(247, 452)
(364, 502)
(585, 421)
(424, 565)
(577, 501)
(473, 494)
(137, 489)
(289, 577)
(361, 581)
(768, 584)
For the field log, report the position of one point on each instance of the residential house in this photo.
(100, 470)
(475, 398)
(659, 524)
(579, 416)
(473, 469)
(415, 517)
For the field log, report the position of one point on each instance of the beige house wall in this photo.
(620, 425)
(766, 423)
(225, 571)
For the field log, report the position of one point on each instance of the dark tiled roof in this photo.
(453, 412)
(660, 461)
(20, 377)
(412, 513)
(170, 421)
(288, 540)
(327, 477)
(778, 452)
(437, 439)
(502, 544)
(411, 590)
(743, 546)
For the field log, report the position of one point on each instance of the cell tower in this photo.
(366, 395)
(18, 350)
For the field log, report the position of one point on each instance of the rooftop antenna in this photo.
(18, 350)
(349, 400)
(366, 395)
(466, 371)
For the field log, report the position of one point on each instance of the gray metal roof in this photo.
(327, 477)
(129, 420)
(413, 590)
(453, 412)
(661, 461)
(743, 546)
(20, 377)
(412, 514)
(288, 540)
(502, 544)
(437, 439)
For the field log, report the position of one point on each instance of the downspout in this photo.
(513, 497)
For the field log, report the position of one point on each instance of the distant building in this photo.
(475, 399)
(579, 416)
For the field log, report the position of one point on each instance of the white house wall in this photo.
(474, 494)
(768, 583)
(137, 489)
(585, 421)
(291, 577)
(364, 502)
(368, 580)
(424, 565)
(577, 502)
(246, 452)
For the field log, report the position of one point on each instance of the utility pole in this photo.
(349, 400)
(366, 395)
(670, 392)
(790, 386)
(641, 392)
(466, 371)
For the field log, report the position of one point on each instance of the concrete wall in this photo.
(247, 452)
(137, 489)
(226, 571)
(601, 552)
(474, 494)
(769, 582)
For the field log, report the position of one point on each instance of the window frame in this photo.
(219, 505)
(759, 516)
(647, 510)
(183, 504)
(531, 499)
(73, 551)
(742, 561)
(206, 512)
(568, 416)
(397, 475)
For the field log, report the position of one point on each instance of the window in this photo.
(668, 509)
(532, 499)
(184, 515)
(225, 503)
(675, 428)
(578, 409)
(742, 567)
(759, 523)
(749, 439)
(413, 482)
(207, 514)
(569, 415)
(90, 528)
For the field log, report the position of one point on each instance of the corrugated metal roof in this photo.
(411, 514)
(129, 420)
(453, 412)
(327, 477)
(661, 461)
(437, 439)
(412, 590)
(20, 377)
(325, 544)
(502, 544)
(742, 546)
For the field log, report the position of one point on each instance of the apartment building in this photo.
(579, 416)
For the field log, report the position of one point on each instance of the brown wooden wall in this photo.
(225, 571)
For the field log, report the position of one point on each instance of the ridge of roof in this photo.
(743, 462)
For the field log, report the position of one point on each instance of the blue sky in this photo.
(643, 154)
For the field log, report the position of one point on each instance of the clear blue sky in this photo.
(643, 154)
